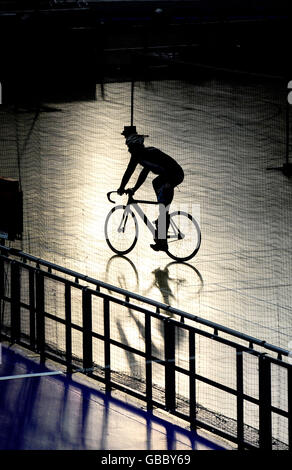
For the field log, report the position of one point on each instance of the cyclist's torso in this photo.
(159, 162)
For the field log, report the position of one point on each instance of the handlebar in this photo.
(109, 196)
(131, 199)
(125, 192)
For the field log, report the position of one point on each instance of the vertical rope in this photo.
(18, 151)
(132, 102)
(287, 132)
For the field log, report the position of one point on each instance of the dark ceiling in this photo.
(55, 42)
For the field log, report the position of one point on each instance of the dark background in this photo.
(54, 50)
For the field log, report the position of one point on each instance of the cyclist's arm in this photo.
(127, 175)
(141, 178)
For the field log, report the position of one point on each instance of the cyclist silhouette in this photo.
(169, 175)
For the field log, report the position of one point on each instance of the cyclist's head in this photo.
(135, 143)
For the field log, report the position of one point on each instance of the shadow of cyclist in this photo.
(161, 281)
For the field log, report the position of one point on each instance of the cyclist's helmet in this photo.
(134, 139)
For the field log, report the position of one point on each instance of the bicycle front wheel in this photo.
(121, 230)
(184, 236)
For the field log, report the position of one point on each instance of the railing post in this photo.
(239, 389)
(289, 372)
(107, 354)
(68, 327)
(40, 314)
(1, 278)
(2, 293)
(265, 397)
(148, 355)
(32, 308)
(192, 380)
(169, 353)
(15, 302)
(87, 328)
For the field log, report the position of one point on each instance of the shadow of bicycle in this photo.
(172, 281)
(168, 283)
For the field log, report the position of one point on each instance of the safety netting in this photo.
(229, 135)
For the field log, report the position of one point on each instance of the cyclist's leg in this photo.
(164, 192)
(165, 197)
(164, 188)
(157, 184)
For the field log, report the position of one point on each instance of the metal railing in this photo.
(34, 336)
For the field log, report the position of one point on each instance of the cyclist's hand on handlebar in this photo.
(130, 191)
(120, 191)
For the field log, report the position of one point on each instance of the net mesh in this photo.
(225, 133)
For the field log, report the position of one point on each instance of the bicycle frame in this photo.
(175, 233)
(135, 202)
(138, 210)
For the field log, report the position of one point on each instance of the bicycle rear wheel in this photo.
(121, 230)
(184, 236)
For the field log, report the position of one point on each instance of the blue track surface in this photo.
(57, 412)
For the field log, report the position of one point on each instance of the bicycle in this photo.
(121, 229)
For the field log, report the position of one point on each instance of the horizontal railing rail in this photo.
(35, 336)
(158, 305)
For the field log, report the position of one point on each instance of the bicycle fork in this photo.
(123, 223)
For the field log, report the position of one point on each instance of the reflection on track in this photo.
(172, 281)
(162, 282)
(121, 272)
